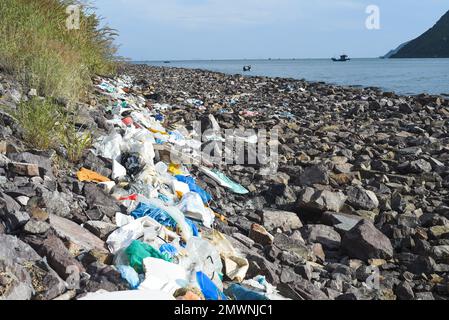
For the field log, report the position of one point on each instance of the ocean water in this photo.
(403, 76)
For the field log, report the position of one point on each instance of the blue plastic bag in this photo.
(130, 275)
(146, 210)
(168, 250)
(194, 228)
(208, 288)
(239, 292)
(206, 197)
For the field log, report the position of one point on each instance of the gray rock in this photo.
(57, 203)
(286, 221)
(285, 243)
(314, 175)
(341, 222)
(361, 199)
(44, 162)
(36, 227)
(15, 281)
(321, 201)
(327, 236)
(96, 198)
(15, 220)
(366, 242)
(404, 291)
(101, 229)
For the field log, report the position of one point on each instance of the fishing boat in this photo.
(342, 58)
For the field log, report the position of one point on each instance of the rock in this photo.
(361, 199)
(260, 235)
(366, 242)
(305, 271)
(416, 264)
(321, 201)
(43, 162)
(36, 227)
(420, 166)
(405, 292)
(314, 175)
(74, 233)
(15, 220)
(286, 221)
(101, 229)
(325, 235)
(243, 239)
(96, 198)
(441, 253)
(341, 222)
(57, 203)
(258, 265)
(285, 243)
(24, 169)
(439, 231)
(15, 282)
(58, 257)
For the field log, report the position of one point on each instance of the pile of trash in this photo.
(166, 246)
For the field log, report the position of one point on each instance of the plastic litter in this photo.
(208, 288)
(163, 276)
(118, 170)
(192, 206)
(109, 146)
(130, 275)
(122, 219)
(168, 250)
(91, 176)
(224, 181)
(138, 251)
(235, 265)
(239, 292)
(206, 197)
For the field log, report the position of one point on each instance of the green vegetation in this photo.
(37, 46)
(47, 125)
(42, 52)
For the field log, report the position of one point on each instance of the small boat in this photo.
(342, 58)
(246, 68)
(167, 62)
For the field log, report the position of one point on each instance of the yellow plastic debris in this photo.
(175, 169)
(91, 176)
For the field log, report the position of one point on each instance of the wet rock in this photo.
(362, 199)
(325, 235)
(366, 242)
(286, 221)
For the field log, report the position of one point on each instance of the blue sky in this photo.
(234, 29)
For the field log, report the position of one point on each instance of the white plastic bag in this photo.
(109, 146)
(192, 205)
(164, 276)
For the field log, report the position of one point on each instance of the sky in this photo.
(259, 29)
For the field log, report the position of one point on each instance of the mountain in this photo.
(434, 43)
(394, 51)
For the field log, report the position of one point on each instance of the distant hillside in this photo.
(394, 51)
(432, 44)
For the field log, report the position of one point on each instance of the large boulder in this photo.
(286, 221)
(366, 242)
(314, 175)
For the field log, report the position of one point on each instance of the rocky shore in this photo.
(357, 210)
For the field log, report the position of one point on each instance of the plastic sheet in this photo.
(192, 206)
(224, 181)
(206, 197)
(91, 176)
(138, 251)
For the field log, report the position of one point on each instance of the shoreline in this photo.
(348, 86)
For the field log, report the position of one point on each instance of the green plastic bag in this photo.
(138, 251)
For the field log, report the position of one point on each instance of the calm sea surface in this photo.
(404, 76)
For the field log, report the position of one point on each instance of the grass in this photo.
(37, 47)
(47, 124)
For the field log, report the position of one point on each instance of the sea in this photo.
(403, 76)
